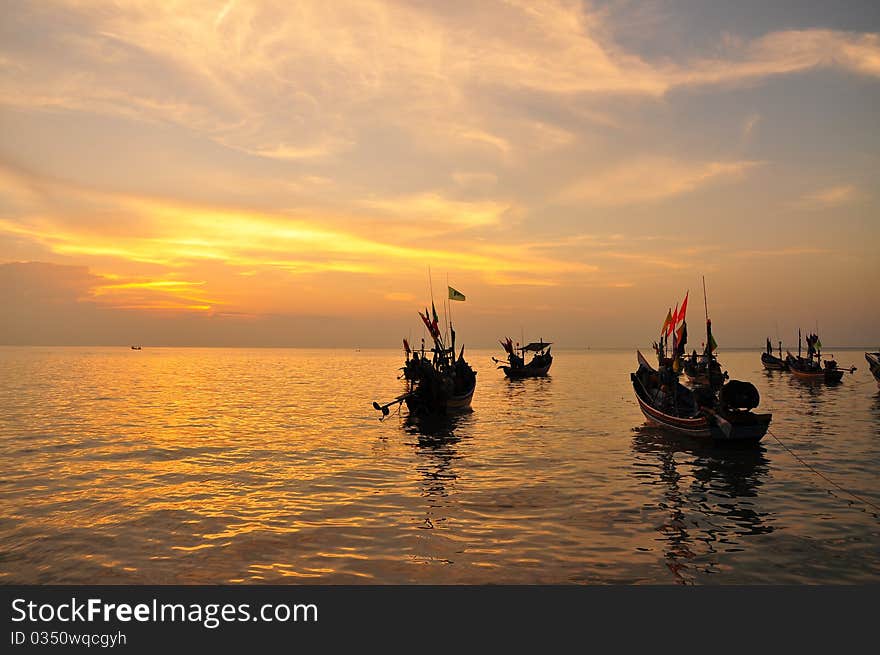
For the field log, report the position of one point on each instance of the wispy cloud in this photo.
(651, 179)
(304, 83)
(828, 197)
(750, 124)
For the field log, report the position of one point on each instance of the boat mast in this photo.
(706, 309)
(449, 309)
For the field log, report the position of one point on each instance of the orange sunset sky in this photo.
(283, 173)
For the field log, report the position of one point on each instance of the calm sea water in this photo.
(253, 466)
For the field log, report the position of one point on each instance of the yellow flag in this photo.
(666, 322)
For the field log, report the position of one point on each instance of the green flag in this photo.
(455, 295)
(712, 346)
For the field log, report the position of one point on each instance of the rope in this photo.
(822, 475)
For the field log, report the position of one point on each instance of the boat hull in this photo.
(455, 403)
(832, 376)
(461, 402)
(745, 427)
(772, 363)
(526, 371)
(873, 360)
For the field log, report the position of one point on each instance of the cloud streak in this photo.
(294, 84)
(650, 179)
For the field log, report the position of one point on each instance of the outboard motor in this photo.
(739, 395)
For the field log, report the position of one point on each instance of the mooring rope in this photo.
(822, 475)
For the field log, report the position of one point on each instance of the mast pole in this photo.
(449, 310)
(431, 289)
(706, 309)
(705, 304)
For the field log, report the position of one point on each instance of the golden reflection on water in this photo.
(251, 466)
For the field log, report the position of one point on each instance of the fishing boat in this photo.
(874, 364)
(438, 382)
(813, 368)
(703, 413)
(516, 368)
(770, 361)
(135, 347)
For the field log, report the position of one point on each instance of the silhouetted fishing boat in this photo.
(874, 364)
(723, 416)
(770, 361)
(135, 347)
(812, 368)
(438, 382)
(517, 368)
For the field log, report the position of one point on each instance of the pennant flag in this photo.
(674, 321)
(406, 347)
(436, 319)
(666, 323)
(455, 295)
(426, 322)
(684, 307)
(432, 329)
(818, 344)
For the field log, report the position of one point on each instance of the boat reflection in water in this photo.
(435, 442)
(436, 445)
(707, 497)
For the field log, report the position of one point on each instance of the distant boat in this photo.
(770, 361)
(812, 368)
(516, 368)
(722, 416)
(874, 364)
(136, 348)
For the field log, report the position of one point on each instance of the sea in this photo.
(211, 465)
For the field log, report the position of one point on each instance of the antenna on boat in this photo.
(705, 304)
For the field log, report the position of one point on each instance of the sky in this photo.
(285, 174)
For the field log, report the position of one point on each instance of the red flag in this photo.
(435, 325)
(428, 324)
(406, 347)
(672, 325)
(684, 307)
